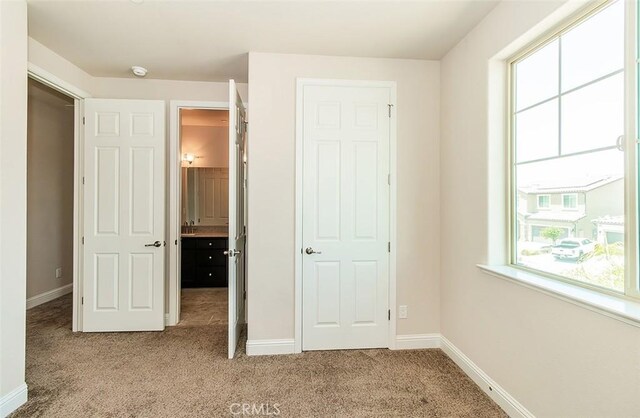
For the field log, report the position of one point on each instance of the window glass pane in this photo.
(593, 116)
(570, 201)
(586, 243)
(537, 132)
(543, 201)
(594, 48)
(537, 76)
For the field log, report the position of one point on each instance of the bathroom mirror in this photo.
(205, 196)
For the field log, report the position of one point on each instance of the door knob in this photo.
(155, 244)
(232, 253)
(310, 251)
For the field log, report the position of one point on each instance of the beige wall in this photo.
(13, 197)
(49, 189)
(272, 81)
(209, 143)
(556, 358)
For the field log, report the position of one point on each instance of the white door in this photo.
(124, 223)
(237, 230)
(345, 217)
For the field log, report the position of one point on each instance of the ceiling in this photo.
(209, 40)
(204, 117)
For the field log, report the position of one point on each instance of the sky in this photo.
(581, 86)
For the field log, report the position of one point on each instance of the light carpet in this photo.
(184, 372)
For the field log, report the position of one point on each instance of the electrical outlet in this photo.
(59, 273)
(402, 312)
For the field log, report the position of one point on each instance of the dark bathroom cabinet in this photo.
(203, 262)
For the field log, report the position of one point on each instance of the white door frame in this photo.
(45, 77)
(175, 202)
(300, 84)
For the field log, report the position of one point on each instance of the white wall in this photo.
(13, 202)
(50, 127)
(556, 358)
(272, 81)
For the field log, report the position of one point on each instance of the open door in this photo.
(124, 218)
(237, 230)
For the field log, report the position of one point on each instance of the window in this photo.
(544, 201)
(567, 118)
(570, 201)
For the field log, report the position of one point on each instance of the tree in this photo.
(551, 233)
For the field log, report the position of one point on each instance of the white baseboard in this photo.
(500, 396)
(270, 347)
(13, 400)
(417, 341)
(45, 297)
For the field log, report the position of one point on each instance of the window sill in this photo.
(624, 310)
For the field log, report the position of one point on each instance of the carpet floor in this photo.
(184, 372)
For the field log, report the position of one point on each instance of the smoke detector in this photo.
(139, 71)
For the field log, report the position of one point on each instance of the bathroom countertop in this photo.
(206, 235)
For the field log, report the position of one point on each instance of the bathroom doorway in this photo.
(204, 216)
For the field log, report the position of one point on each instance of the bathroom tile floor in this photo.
(203, 306)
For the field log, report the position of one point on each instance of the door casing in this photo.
(298, 256)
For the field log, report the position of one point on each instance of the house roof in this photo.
(567, 185)
(556, 216)
(609, 220)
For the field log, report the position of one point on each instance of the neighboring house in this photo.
(589, 208)
(610, 229)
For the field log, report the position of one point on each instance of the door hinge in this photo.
(389, 246)
(176, 243)
(82, 180)
(389, 316)
(390, 106)
(245, 295)
(389, 179)
(82, 240)
(82, 300)
(83, 120)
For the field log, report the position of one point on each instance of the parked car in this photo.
(573, 248)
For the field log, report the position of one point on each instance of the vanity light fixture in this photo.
(190, 158)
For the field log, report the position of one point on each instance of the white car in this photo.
(574, 248)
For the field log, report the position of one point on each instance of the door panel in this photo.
(123, 213)
(345, 217)
(141, 191)
(237, 229)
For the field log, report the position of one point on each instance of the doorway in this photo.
(214, 238)
(345, 215)
(204, 216)
(50, 193)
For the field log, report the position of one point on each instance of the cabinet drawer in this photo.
(213, 257)
(205, 243)
(212, 276)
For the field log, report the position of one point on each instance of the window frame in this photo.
(630, 143)
(575, 195)
(548, 196)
